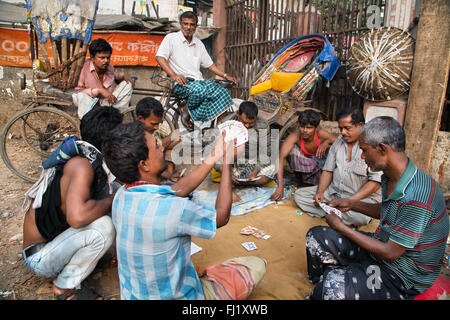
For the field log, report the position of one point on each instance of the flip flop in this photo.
(186, 121)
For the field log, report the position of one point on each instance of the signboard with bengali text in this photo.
(129, 49)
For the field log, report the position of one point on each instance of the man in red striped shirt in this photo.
(403, 257)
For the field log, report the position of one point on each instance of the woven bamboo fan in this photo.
(380, 64)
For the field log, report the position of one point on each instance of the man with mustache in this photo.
(345, 174)
(403, 257)
(96, 84)
(181, 55)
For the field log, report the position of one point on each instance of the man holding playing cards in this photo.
(154, 224)
(249, 171)
(403, 257)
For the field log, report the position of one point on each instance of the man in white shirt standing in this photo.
(181, 55)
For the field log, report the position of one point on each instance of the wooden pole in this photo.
(73, 67)
(428, 81)
(56, 60)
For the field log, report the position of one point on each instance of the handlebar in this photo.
(223, 83)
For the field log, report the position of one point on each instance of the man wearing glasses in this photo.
(181, 55)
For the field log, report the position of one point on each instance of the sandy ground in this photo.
(17, 283)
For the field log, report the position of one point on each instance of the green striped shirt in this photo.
(415, 216)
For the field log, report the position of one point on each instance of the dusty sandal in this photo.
(79, 294)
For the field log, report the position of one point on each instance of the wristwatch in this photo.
(224, 75)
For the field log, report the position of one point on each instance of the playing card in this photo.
(329, 209)
(249, 230)
(246, 180)
(234, 130)
(249, 246)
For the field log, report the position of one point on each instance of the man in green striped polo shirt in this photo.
(403, 257)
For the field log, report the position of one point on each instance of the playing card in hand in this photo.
(234, 130)
(329, 209)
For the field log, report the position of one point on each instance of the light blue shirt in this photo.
(154, 229)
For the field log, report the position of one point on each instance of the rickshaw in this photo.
(284, 86)
(32, 134)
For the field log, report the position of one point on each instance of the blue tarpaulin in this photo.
(73, 19)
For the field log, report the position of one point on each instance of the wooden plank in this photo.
(73, 67)
(79, 64)
(48, 66)
(56, 60)
(429, 81)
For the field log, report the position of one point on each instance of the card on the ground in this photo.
(234, 130)
(329, 209)
(249, 230)
(249, 180)
(249, 246)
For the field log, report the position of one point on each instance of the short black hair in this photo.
(250, 109)
(145, 107)
(125, 147)
(99, 45)
(309, 116)
(96, 125)
(188, 15)
(354, 111)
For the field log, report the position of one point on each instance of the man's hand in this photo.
(180, 79)
(318, 198)
(232, 79)
(129, 80)
(343, 204)
(235, 180)
(105, 94)
(334, 221)
(321, 150)
(277, 194)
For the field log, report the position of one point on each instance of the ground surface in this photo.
(16, 282)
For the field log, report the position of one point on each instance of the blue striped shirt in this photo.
(154, 229)
(415, 216)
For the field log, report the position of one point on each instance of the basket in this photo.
(380, 64)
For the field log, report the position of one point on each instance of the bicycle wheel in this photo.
(31, 136)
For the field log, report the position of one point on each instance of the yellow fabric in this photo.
(264, 86)
(215, 177)
(279, 81)
(282, 81)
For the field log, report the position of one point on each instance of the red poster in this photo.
(129, 49)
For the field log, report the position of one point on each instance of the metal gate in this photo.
(257, 29)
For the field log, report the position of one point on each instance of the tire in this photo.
(31, 135)
(288, 128)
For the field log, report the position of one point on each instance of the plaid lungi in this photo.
(309, 167)
(206, 99)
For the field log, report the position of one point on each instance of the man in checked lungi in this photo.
(181, 55)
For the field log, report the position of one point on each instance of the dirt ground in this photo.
(16, 282)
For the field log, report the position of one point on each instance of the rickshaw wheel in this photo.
(25, 128)
(288, 128)
(31, 136)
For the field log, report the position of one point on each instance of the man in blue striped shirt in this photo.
(403, 257)
(154, 223)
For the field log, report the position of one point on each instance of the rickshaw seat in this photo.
(279, 81)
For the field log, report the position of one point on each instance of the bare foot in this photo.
(236, 198)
